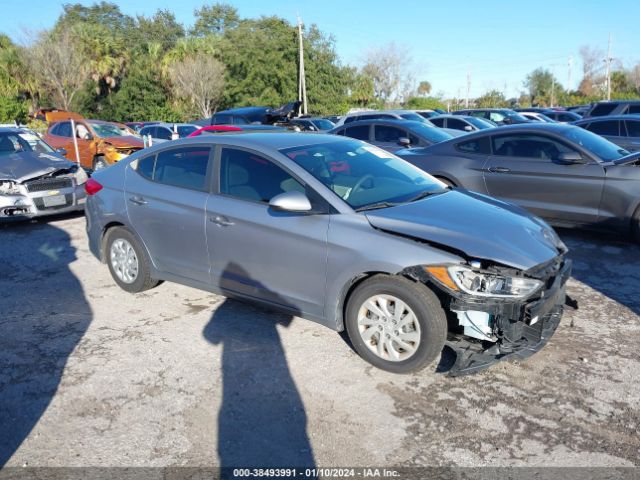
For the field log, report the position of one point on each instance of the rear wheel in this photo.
(128, 261)
(396, 324)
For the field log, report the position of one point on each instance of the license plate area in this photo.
(54, 201)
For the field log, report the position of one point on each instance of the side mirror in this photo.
(404, 141)
(61, 151)
(293, 201)
(571, 158)
(468, 128)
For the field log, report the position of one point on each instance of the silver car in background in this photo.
(340, 232)
(35, 180)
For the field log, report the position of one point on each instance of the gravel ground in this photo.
(94, 376)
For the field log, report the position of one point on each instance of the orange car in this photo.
(100, 143)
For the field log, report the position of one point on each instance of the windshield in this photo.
(363, 175)
(480, 123)
(603, 148)
(431, 133)
(107, 130)
(22, 142)
(514, 115)
(323, 124)
(185, 130)
(413, 116)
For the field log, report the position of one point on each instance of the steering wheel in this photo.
(359, 184)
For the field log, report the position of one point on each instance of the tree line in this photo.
(105, 64)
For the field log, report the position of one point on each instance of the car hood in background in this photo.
(479, 226)
(26, 165)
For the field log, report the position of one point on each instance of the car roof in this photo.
(11, 130)
(604, 118)
(385, 121)
(242, 110)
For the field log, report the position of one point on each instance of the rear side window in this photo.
(610, 127)
(183, 167)
(633, 128)
(222, 119)
(633, 109)
(145, 167)
(361, 132)
(251, 177)
(383, 133)
(477, 145)
(64, 129)
(528, 146)
(163, 133)
(438, 122)
(455, 124)
(603, 109)
(147, 131)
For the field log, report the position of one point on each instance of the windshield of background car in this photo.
(362, 174)
(413, 116)
(515, 116)
(434, 135)
(186, 130)
(603, 148)
(107, 130)
(36, 143)
(480, 123)
(324, 124)
(14, 143)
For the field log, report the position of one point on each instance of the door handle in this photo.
(138, 200)
(499, 169)
(220, 221)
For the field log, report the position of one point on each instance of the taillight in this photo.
(92, 187)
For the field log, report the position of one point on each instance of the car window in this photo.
(147, 131)
(633, 128)
(186, 130)
(249, 176)
(496, 116)
(609, 127)
(13, 143)
(477, 145)
(633, 109)
(438, 122)
(528, 146)
(239, 120)
(477, 114)
(603, 109)
(384, 133)
(222, 119)
(163, 133)
(361, 132)
(350, 119)
(64, 129)
(455, 124)
(145, 166)
(183, 167)
(105, 129)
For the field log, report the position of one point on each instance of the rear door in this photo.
(279, 257)
(166, 196)
(609, 129)
(388, 137)
(524, 169)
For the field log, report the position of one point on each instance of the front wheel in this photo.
(396, 324)
(128, 261)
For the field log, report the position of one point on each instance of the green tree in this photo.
(492, 99)
(425, 103)
(543, 87)
(424, 88)
(214, 19)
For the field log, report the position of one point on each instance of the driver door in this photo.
(524, 169)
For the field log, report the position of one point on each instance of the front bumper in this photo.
(35, 204)
(525, 331)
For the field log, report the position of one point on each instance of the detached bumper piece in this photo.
(471, 357)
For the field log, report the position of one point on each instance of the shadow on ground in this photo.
(43, 316)
(262, 421)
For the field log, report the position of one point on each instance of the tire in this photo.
(425, 333)
(99, 163)
(123, 250)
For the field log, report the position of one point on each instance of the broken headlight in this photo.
(483, 284)
(7, 187)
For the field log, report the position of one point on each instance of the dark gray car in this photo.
(393, 135)
(337, 231)
(623, 130)
(562, 173)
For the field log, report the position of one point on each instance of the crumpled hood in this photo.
(124, 141)
(25, 165)
(479, 226)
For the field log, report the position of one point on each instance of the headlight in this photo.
(81, 176)
(483, 284)
(8, 187)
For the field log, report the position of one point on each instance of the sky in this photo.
(496, 42)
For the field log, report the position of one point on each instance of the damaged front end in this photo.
(497, 313)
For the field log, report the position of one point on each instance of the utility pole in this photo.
(569, 76)
(608, 61)
(466, 101)
(302, 84)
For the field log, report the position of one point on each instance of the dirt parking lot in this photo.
(94, 376)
